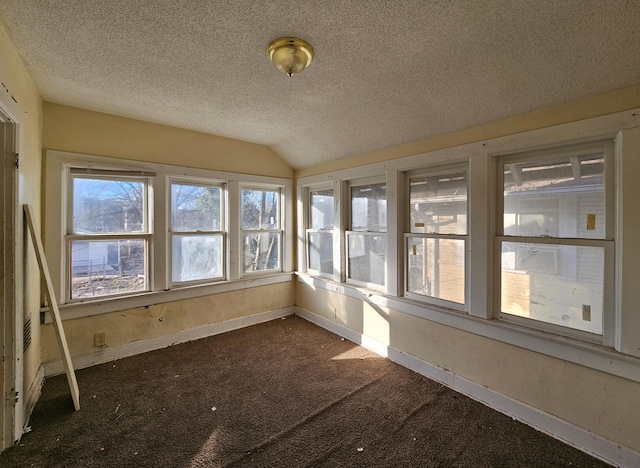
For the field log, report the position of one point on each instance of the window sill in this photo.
(594, 356)
(105, 306)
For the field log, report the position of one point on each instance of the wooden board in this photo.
(53, 308)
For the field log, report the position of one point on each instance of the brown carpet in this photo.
(281, 394)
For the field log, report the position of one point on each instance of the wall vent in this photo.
(26, 334)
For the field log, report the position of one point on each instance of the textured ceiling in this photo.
(385, 72)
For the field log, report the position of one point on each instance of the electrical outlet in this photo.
(100, 339)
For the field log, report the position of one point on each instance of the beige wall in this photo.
(602, 104)
(82, 131)
(87, 132)
(596, 401)
(24, 105)
(165, 319)
(599, 402)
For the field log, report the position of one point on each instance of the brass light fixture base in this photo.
(290, 55)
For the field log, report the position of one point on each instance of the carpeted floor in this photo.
(281, 394)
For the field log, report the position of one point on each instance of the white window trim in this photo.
(624, 359)
(607, 244)
(72, 172)
(223, 232)
(349, 184)
(159, 277)
(434, 171)
(282, 209)
(305, 226)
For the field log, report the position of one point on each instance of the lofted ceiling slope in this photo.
(385, 72)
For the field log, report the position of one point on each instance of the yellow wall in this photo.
(87, 132)
(602, 104)
(25, 107)
(82, 131)
(159, 320)
(599, 402)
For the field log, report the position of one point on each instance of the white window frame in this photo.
(350, 232)
(435, 171)
(278, 230)
(618, 355)
(160, 287)
(309, 231)
(607, 244)
(222, 232)
(73, 172)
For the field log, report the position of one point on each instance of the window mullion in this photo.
(234, 256)
(303, 222)
(339, 227)
(394, 255)
(479, 251)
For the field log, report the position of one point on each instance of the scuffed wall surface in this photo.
(601, 403)
(26, 105)
(165, 319)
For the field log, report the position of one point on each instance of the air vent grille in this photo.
(26, 334)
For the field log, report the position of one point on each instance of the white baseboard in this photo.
(582, 439)
(142, 346)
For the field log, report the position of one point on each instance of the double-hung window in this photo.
(320, 232)
(260, 229)
(197, 232)
(108, 233)
(366, 238)
(436, 240)
(555, 239)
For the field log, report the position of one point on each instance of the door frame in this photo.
(11, 304)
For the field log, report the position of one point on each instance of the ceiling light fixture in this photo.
(290, 55)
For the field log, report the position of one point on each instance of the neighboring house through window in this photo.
(557, 236)
(108, 234)
(366, 238)
(320, 231)
(436, 239)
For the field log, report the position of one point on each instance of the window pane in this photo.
(562, 285)
(439, 204)
(195, 208)
(321, 209)
(436, 268)
(321, 252)
(369, 207)
(562, 198)
(367, 255)
(108, 206)
(260, 251)
(196, 257)
(107, 267)
(260, 209)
